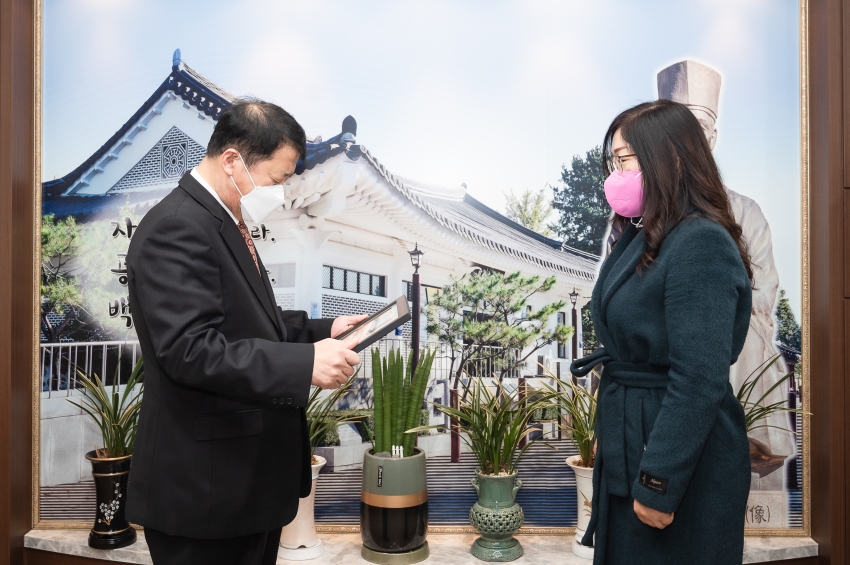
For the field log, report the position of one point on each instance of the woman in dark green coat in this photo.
(671, 308)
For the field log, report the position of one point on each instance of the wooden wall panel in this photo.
(17, 249)
(846, 242)
(826, 329)
(846, 55)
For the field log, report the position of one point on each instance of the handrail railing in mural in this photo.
(58, 361)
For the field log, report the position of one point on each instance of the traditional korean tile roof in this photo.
(459, 212)
(183, 81)
(451, 208)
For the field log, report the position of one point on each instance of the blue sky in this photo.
(494, 94)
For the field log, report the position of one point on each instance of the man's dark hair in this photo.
(256, 129)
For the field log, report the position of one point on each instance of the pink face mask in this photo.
(624, 192)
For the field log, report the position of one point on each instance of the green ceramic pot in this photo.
(497, 517)
(394, 509)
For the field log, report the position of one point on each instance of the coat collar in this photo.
(616, 269)
(234, 240)
(624, 264)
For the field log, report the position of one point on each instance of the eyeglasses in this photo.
(616, 161)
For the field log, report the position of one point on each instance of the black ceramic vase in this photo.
(394, 509)
(111, 529)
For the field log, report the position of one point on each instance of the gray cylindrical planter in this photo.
(394, 509)
(497, 517)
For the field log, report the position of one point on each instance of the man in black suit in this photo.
(222, 454)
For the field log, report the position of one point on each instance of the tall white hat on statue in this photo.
(698, 87)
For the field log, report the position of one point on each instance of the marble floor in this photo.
(446, 549)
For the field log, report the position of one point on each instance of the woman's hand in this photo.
(652, 517)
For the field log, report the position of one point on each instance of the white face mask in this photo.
(261, 201)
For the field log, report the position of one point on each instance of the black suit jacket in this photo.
(222, 446)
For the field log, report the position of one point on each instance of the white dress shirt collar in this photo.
(212, 191)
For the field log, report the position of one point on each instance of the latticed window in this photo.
(336, 278)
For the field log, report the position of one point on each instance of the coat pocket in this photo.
(227, 425)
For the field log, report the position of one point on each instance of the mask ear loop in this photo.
(639, 223)
(236, 187)
(249, 176)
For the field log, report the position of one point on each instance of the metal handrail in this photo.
(58, 362)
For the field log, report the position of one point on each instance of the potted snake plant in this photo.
(496, 425)
(116, 413)
(578, 422)
(298, 539)
(394, 498)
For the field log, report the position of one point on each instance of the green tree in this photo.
(60, 292)
(588, 335)
(482, 317)
(581, 205)
(787, 328)
(529, 209)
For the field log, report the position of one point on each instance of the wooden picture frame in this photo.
(808, 237)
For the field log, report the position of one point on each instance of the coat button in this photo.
(289, 401)
(274, 400)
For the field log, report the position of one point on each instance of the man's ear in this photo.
(712, 139)
(229, 161)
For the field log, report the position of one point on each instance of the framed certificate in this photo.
(379, 324)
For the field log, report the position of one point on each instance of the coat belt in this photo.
(611, 429)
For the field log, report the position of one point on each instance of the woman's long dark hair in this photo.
(680, 177)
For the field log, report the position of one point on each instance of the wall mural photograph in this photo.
(472, 132)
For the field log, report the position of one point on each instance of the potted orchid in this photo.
(116, 413)
(578, 422)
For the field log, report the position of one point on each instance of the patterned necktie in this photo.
(249, 241)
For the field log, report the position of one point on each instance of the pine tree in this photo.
(60, 292)
(530, 209)
(787, 328)
(581, 205)
(483, 319)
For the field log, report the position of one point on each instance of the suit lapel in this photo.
(233, 237)
(270, 293)
(234, 240)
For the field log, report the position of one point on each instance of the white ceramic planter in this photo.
(584, 496)
(298, 539)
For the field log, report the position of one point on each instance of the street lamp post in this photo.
(574, 299)
(416, 260)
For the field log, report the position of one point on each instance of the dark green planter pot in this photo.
(111, 530)
(497, 517)
(394, 509)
